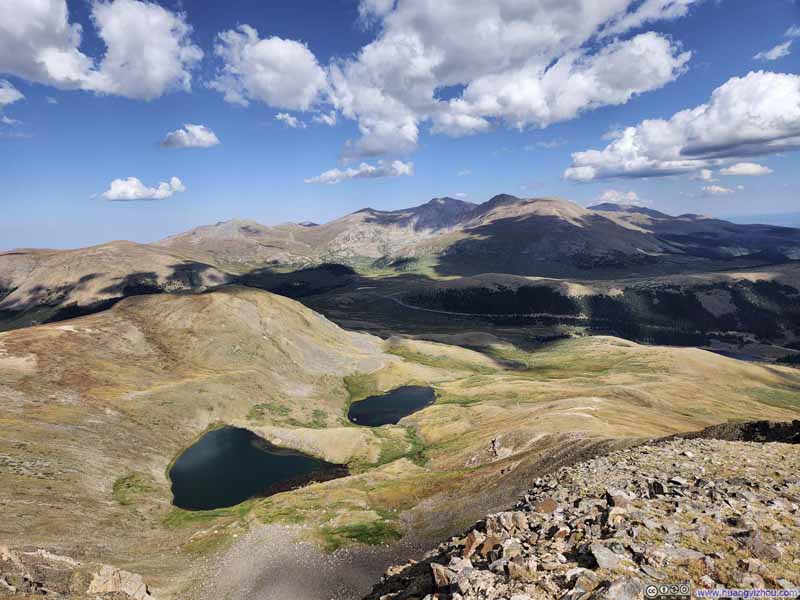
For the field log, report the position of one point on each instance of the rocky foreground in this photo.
(717, 513)
(36, 573)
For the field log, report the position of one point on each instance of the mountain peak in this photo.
(447, 202)
(500, 199)
(442, 200)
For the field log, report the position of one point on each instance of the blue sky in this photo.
(81, 129)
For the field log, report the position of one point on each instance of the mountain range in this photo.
(540, 236)
(443, 238)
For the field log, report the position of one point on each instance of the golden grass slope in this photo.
(93, 411)
(87, 402)
(88, 275)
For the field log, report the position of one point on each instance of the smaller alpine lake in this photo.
(389, 408)
(229, 465)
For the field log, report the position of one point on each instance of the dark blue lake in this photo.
(389, 408)
(229, 465)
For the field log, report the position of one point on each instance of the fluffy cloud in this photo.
(328, 119)
(148, 48)
(649, 11)
(746, 169)
(754, 115)
(290, 121)
(522, 63)
(629, 198)
(793, 31)
(395, 168)
(704, 175)
(281, 73)
(514, 63)
(9, 121)
(191, 136)
(371, 10)
(133, 189)
(9, 94)
(717, 190)
(775, 53)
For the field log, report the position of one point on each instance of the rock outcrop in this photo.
(34, 573)
(718, 513)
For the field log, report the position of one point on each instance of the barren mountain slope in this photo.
(46, 284)
(540, 236)
(366, 233)
(15, 265)
(242, 244)
(702, 235)
(443, 238)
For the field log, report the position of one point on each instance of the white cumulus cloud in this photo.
(755, 115)
(513, 63)
(629, 198)
(281, 73)
(704, 175)
(649, 11)
(328, 119)
(775, 53)
(133, 189)
(9, 94)
(717, 190)
(382, 169)
(290, 121)
(746, 169)
(148, 48)
(190, 136)
(793, 31)
(521, 63)
(370, 10)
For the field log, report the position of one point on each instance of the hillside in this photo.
(440, 240)
(540, 236)
(95, 402)
(753, 311)
(95, 409)
(365, 234)
(707, 512)
(42, 285)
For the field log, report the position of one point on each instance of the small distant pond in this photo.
(229, 465)
(389, 408)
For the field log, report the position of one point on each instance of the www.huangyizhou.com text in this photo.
(754, 593)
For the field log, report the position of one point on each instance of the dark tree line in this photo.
(664, 315)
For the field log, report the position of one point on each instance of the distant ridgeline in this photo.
(665, 315)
